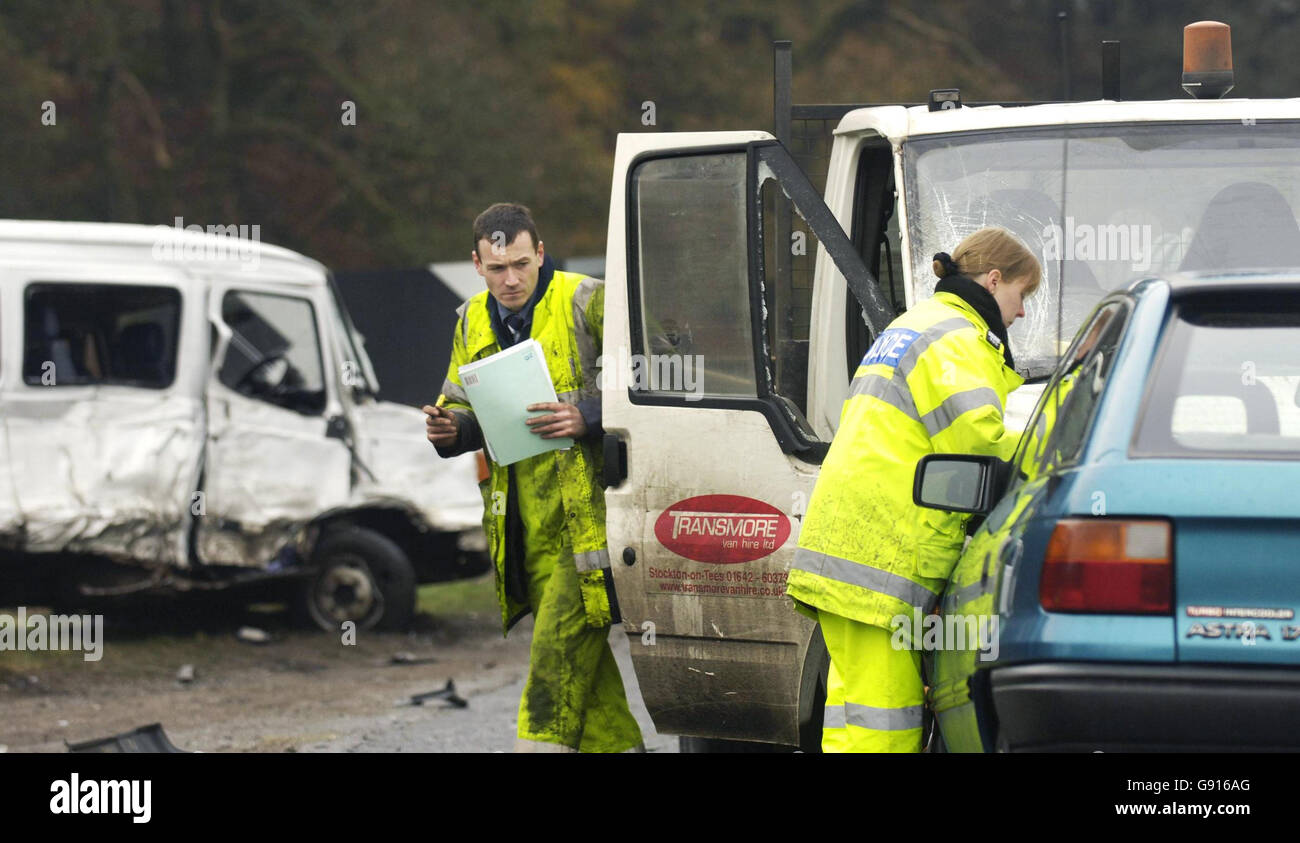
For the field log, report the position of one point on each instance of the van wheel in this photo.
(360, 576)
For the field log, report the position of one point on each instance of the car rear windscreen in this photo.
(1227, 382)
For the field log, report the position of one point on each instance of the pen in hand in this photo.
(442, 427)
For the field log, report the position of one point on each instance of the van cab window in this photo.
(92, 334)
(693, 276)
(789, 255)
(274, 351)
(876, 235)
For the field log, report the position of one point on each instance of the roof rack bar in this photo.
(834, 111)
(782, 90)
(1110, 70)
(1063, 20)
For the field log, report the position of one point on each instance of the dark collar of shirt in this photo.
(523, 320)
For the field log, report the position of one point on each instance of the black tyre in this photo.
(360, 576)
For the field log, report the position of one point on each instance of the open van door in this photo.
(275, 458)
(709, 458)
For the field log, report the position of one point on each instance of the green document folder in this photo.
(499, 388)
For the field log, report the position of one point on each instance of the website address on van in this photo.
(737, 583)
(1180, 809)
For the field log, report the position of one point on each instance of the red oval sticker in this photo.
(722, 529)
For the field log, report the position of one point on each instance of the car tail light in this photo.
(1104, 565)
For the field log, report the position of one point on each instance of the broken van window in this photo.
(274, 351)
(91, 334)
(1104, 205)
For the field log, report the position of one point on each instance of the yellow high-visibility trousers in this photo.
(573, 698)
(874, 695)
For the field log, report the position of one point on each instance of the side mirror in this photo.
(960, 482)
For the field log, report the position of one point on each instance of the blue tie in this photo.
(515, 322)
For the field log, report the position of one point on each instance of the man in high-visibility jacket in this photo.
(545, 515)
(936, 380)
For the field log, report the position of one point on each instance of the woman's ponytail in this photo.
(944, 265)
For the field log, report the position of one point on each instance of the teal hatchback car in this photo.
(1135, 581)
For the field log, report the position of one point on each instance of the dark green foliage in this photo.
(229, 111)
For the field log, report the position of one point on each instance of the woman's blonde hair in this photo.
(993, 248)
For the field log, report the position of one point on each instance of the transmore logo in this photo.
(53, 632)
(124, 796)
(947, 632)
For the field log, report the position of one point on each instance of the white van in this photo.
(730, 370)
(198, 406)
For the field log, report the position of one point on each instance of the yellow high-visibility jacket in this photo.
(1036, 446)
(568, 322)
(935, 381)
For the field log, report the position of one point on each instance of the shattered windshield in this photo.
(1102, 205)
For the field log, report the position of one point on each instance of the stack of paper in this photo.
(499, 388)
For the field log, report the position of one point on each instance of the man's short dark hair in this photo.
(504, 219)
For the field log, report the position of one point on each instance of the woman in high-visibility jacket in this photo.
(935, 381)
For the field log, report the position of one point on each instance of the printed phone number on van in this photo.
(737, 583)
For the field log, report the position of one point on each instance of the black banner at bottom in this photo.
(126, 793)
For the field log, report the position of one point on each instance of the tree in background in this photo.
(235, 111)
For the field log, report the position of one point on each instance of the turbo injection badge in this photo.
(1246, 612)
(722, 529)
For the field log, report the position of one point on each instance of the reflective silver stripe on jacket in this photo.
(592, 560)
(960, 596)
(894, 390)
(940, 418)
(865, 576)
(582, 334)
(454, 392)
(464, 323)
(927, 338)
(870, 717)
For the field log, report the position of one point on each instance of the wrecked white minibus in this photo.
(184, 410)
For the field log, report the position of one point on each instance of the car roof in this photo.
(37, 242)
(1195, 283)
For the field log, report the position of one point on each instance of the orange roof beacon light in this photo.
(1207, 59)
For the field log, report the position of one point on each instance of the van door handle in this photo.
(615, 463)
(336, 427)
